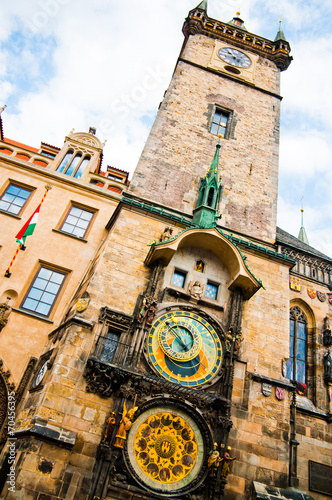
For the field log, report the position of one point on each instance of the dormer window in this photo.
(73, 164)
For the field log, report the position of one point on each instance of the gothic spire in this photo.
(280, 35)
(302, 234)
(202, 5)
(206, 211)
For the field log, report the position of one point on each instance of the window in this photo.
(178, 278)
(106, 349)
(296, 364)
(77, 221)
(211, 290)
(219, 122)
(14, 198)
(43, 291)
(73, 164)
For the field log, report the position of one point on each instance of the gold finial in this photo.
(238, 13)
(220, 136)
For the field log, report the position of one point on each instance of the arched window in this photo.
(65, 160)
(210, 197)
(296, 364)
(72, 164)
(81, 168)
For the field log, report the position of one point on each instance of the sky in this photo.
(75, 63)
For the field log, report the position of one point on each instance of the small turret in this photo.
(280, 35)
(238, 22)
(202, 5)
(206, 211)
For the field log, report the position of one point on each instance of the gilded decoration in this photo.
(165, 448)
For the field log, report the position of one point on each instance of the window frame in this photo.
(185, 275)
(226, 112)
(291, 364)
(72, 205)
(20, 186)
(56, 296)
(212, 283)
(73, 154)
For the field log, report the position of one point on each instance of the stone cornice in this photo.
(198, 22)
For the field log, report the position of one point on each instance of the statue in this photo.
(327, 337)
(150, 313)
(125, 425)
(225, 470)
(327, 362)
(229, 340)
(196, 289)
(109, 428)
(214, 460)
(5, 311)
(167, 234)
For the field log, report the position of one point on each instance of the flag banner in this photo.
(30, 224)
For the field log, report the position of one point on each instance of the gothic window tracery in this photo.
(296, 364)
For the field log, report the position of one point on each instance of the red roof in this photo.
(15, 143)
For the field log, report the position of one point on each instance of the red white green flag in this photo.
(30, 224)
(28, 227)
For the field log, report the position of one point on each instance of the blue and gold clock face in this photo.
(184, 348)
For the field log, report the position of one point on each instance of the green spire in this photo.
(206, 211)
(280, 35)
(302, 234)
(202, 5)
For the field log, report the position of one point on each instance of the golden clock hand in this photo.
(178, 336)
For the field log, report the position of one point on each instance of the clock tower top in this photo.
(235, 33)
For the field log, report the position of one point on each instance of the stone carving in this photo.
(327, 362)
(125, 425)
(5, 311)
(196, 289)
(167, 234)
(327, 337)
(214, 460)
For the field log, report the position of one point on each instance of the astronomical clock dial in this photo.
(165, 450)
(234, 57)
(184, 348)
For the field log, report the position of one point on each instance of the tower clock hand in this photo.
(177, 335)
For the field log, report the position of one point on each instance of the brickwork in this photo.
(176, 157)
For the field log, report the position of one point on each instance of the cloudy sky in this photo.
(107, 63)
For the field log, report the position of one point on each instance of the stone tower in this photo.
(170, 360)
(226, 81)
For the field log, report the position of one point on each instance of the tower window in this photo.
(108, 345)
(211, 290)
(178, 278)
(296, 364)
(220, 122)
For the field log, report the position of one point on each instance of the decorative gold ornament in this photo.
(165, 449)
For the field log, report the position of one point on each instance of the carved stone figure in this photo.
(196, 289)
(228, 341)
(167, 234)
(150, 313)
(5, 311)
(225, 461)
(214, 460)
(110, 424)
(125, 425)
(327, 362)
(327, 337)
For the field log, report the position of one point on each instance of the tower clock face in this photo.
(234, 57)
(165, 450)
(184, 348)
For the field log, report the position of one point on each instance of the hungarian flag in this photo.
(28, 227)
(30, 224)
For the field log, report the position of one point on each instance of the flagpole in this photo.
(21, 246)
